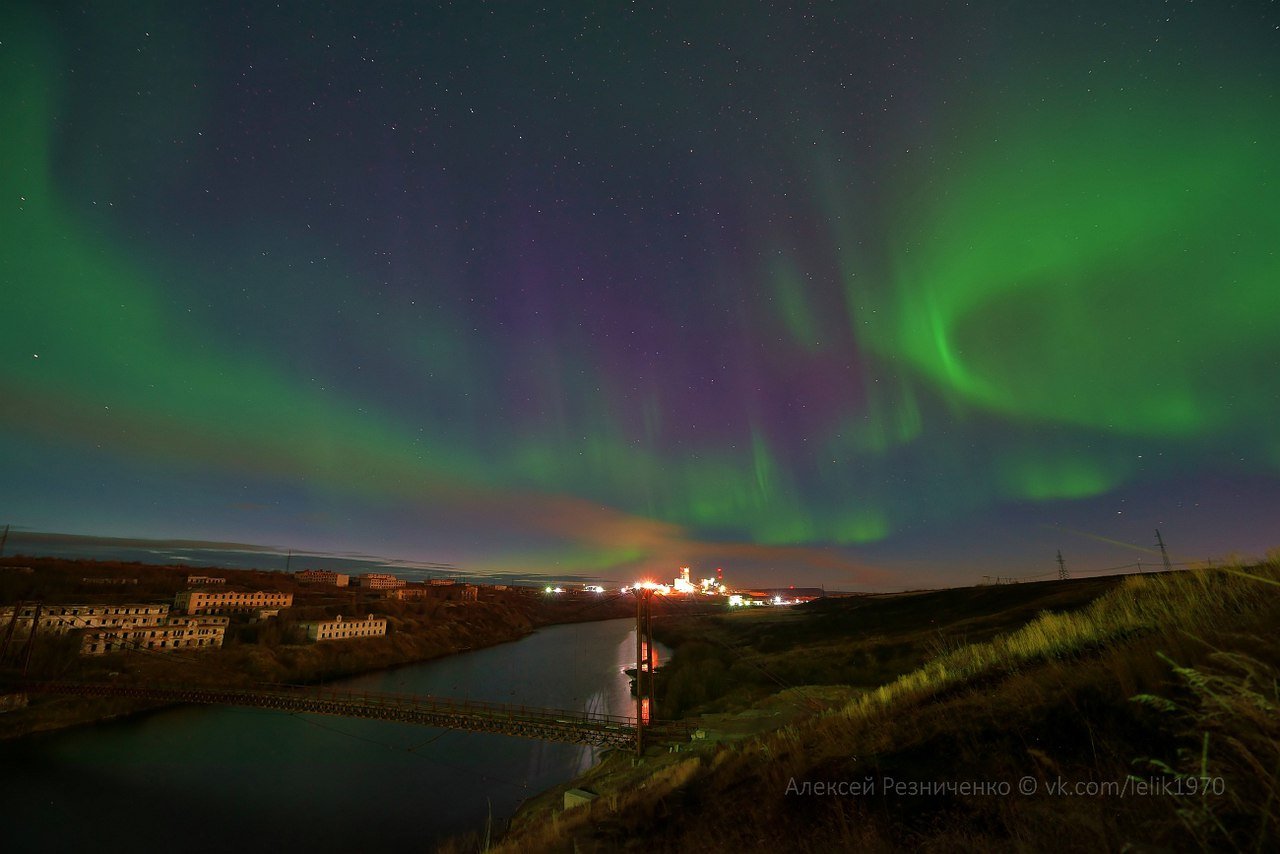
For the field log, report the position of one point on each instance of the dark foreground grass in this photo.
(1146, 719)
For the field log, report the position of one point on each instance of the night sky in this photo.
(861, 294)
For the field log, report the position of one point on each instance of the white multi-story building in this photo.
(177, 633)
(203, 580)
(229, 602)
(67, 617)
(405, 594)
(322, 576)
(340, 629)
(378, 581)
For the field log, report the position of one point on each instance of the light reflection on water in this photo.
(248, 780)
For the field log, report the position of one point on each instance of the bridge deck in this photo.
(446, 713)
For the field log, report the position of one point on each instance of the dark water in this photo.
(206, 779)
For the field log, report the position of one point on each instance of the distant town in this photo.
(200, 615)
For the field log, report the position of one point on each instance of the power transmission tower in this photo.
(1062, 567)
(1163, 554)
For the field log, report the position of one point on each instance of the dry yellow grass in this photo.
(1230, 702)
(1185, 602)
(1230, 709)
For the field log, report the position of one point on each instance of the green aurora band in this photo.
(1101, 267)
(1111, 263)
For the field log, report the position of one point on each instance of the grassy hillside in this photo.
(1141, 712)
(730, 661)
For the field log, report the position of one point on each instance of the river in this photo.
(224, 779)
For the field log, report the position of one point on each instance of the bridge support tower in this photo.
(644, 663)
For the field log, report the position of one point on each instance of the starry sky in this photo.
(861, 294)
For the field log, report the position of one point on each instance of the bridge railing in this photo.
(375, 699)
(431, 701)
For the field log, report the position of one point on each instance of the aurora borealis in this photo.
(851, 295)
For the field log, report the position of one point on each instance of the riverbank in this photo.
(284, 782)
(268, 651)
(966, 719)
